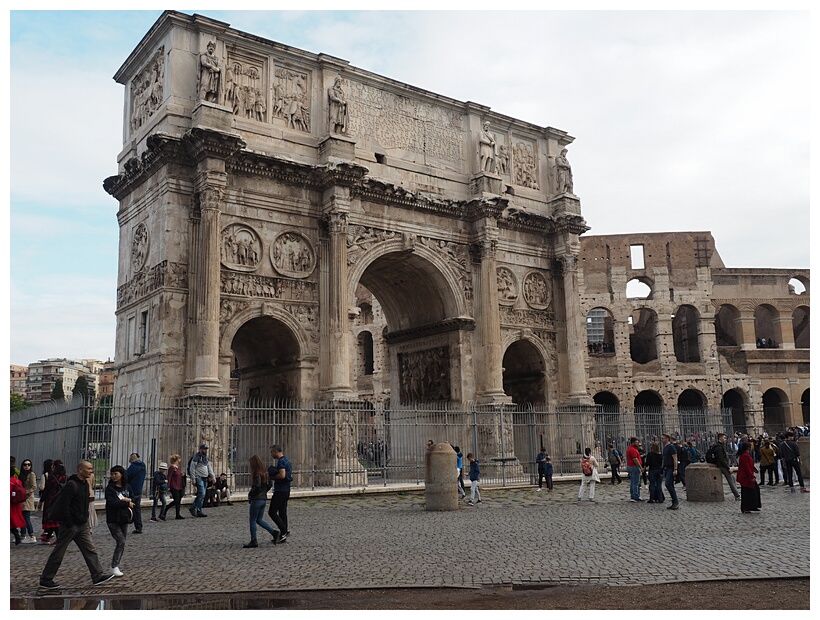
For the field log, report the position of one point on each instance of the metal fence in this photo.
(349, 444)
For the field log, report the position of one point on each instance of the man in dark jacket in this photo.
(71, 512)
(723, 464)
(135, 476)
(790, 453)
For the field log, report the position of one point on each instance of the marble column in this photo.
(576, 337)
(488, 365)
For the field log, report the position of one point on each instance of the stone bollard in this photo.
(805, 456)
(440, 479)
(704, 483)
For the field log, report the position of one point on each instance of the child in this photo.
(548, 473)
(160, 488)
(475, 474)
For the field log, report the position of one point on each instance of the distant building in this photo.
(43, 375)
(106, 382)
(18, 379)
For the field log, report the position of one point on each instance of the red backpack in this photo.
(586, 466)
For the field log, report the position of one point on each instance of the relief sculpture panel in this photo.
(361, 238)
(147, 90)
(525, 171)
(241, 248)
(398, 122)
(290, 98)
(425, 375)
(536, 291)
(139, 247)
(507, 286)
(245, 90)
(292, 255)
(249, 285)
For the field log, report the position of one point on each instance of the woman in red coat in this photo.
(749, 490)
(18, 496)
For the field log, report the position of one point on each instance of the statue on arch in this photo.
(487, 149)
(209, 75)
(337, 108)
(564, 173)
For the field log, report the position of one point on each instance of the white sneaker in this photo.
(29, 540)
(116, 571)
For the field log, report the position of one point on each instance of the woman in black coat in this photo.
(119, 511)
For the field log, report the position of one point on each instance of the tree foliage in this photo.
(81, 387)
(18, 403)
(57, 392)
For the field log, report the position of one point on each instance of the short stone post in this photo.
(805, 456)
(704, 483)
(440, 478)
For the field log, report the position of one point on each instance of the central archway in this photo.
(266, 354)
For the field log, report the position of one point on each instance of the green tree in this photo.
(81, 387)
(57, 391)
(18, 403)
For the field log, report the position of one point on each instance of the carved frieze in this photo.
(425, 375)
(292, 255)
(165, 274)
(229, 307)
(290, 98)
(458, 256)
(361, 238)
(525, 318)
(525, 171)
(139, 247)
(537, 291)
(241, 248)
(245, 91)
(397, 122)
(147, 90)
(249, 285)
(507, 286)
(308, 317)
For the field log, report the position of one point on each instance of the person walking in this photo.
(175, 485)
(201, 473)
(670, 468)
(135, 477)
(589, 475)
(18, 498)
(71, 511)
(475, 476)
(160, 480)
(654, 463)
(282, 475)
(29, 481)
(615, 462)
(460, 466)
(634, 467)
(119, 511)
(54, 483)
(548, 470)
(257, 500)
(749, 489)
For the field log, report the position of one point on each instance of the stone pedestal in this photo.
(805, 455)
(704, 483)
(440, 478)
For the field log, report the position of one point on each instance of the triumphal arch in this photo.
(262, 188)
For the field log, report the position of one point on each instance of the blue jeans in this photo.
(670, 484)
(634, 481)
(656, 485)
(161, 498)
(256, 514)
(200, 495)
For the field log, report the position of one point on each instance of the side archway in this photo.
(524, 374)
(737, 401)
(774, 410)
(648, 414)
(726, 329)
(686, 334)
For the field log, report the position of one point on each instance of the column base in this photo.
(579, 400)
(493, 398)
(205, 387)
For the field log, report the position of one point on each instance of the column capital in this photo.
(204, 143)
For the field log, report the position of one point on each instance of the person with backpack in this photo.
(70, 510)
(160, 489)
(135, 477)
(716, 455)
(475, 476)
(119, 512)
(589, 475)
(790, 453)
(615, 462)
(176, 485)
(540, 462)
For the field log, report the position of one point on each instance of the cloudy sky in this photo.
(683, 121)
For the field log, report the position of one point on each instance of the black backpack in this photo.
(711, 457)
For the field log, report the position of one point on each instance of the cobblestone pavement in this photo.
(515, 536)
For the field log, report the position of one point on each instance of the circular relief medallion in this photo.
(241, 248)
(139, 247)
(292, 255)
(536, 291)
(507, 286)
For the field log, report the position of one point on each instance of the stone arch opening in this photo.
(643, 341)
(726, 326)
(804, 405)
(524, 373)
(600, 332)
(266, 361)
(774, 410)
(365, 353)
(799, 285)
(800, 326)
(639, 288)
(607, 420)
(686, 334)
(648, 414)
(692, 409)
(767, 330)
(736, 401)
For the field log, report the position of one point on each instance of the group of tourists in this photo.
(68, 513)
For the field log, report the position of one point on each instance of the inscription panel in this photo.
(399, 122)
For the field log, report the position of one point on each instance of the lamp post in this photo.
(714, 355)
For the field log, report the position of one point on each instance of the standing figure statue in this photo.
(337, 108)
(209, 74)
(487, 149)
(564, 173)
